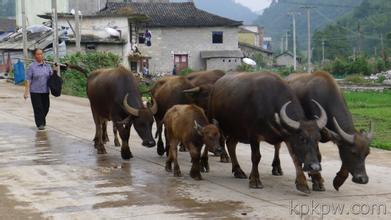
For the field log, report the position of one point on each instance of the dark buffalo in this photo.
(205, 77)
(353, 145)
(114, 96)
(173, 90)
(254, 107)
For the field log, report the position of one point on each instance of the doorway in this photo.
(181, 62)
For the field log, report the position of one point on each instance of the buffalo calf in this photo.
(187, 124)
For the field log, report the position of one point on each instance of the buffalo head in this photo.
(143, 121)
(353, 148)
(303, 136)
(210, 135)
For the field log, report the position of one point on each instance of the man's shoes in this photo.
(41, 128)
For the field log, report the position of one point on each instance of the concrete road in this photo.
(56, 174)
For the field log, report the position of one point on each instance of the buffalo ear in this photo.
(334, 137)
(198, 127)
(215, 122)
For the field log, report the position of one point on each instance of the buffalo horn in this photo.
(322, 121)
(193, 90)
(129, 109)
(285, 118)
(347, 137)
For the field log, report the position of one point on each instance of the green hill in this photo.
(358, 30)
(276, 21)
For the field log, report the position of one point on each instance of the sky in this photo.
(255, 5)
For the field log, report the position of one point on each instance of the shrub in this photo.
(356, 79)
(185, 71)
(245, 68)
(74, 81)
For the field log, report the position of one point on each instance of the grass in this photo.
(366, 106)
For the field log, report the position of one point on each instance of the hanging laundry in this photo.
(148, 38)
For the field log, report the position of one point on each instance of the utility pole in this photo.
(375, 51)
(323, 43)
(55, 32)
(359, 38)
(354, 54)
(382, 46)
(77, 27)
(286, 41)
(24, 33)
(308, 8)
(282, 45)
(293, 14)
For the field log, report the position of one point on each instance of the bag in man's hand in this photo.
(55, 84)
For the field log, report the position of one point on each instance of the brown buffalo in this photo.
(173, 90)
(254, 107)
(353, 145)
(114, 96)
(187, 124)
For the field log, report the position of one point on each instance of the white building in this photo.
(182, 35)
(36, 7)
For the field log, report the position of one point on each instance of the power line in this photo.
(330, 5)
(347, 29)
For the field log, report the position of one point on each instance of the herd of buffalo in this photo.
(216, 109)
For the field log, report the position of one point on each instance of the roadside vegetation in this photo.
(74, 81)
(366, 106)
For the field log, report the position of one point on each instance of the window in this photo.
(141, 38)
(217, 37)
(133, 66)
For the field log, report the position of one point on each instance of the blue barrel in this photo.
(19, 73)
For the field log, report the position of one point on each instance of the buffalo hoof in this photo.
(204, 165)
(339, 181)
(196, 175)
(224, 158)
(101, 150)
(277, 171)
(255, 183)
(105, 140)
(126, 154)
(303, 188)
(316, 186)
(238, 173)
(182, 148)
(117, 143)
(168, 167)
(177, 173)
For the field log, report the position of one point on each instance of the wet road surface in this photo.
(56, 174)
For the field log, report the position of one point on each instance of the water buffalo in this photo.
(254, 107)
(114, 96)
(205, 77)
(353, 145)
(173, 90)
(188, 124)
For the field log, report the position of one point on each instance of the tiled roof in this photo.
(184, 14)
(34, 40)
